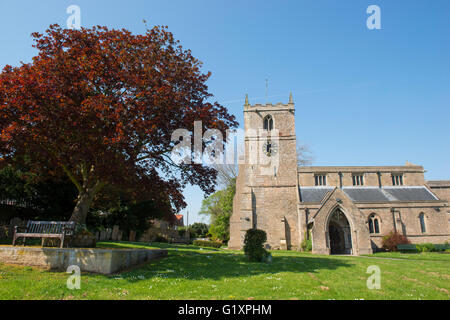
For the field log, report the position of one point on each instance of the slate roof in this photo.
(313, 194)
(370, 194)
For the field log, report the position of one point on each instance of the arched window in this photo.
(268, 123)
(423, 227)
(374, 224)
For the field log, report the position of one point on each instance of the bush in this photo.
(306, 245)
(253, 245)
(205, 243)
(199, 230)
(392, 240)
(425, 247)
(430, 247)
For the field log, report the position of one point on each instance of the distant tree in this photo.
(226, 174)
(304, 155)
(100, 106)
(199, 230)
(219, 207)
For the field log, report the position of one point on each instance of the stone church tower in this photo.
(266, 188)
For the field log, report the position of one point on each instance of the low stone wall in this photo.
(104, 261)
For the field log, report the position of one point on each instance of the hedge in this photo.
(423, 247)
(205, 243)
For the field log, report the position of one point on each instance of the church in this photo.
(342, 210)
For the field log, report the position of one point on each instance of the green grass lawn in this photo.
(190, 272)
(429, 256)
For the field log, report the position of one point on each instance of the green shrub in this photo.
(205, 243)
(426, 247)
(199, 230)
(430, 247)
(392, 240)
(306, 245)
(253, 245)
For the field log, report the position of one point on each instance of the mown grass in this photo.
(191, 272)
(429, 256)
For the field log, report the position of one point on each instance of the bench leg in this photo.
(24, 239)
(42, 242)
(14, 240)
(62, 241)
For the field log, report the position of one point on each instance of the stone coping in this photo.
(97, 260)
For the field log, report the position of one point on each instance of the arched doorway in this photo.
(339, 233)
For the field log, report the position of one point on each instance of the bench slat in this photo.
(39, 235)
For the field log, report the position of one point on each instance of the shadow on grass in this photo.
(194, 263)
(151, 245)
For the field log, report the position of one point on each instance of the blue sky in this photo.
(363, 97)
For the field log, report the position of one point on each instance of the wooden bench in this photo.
(45, 229)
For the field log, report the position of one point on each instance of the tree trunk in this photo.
(82, 207)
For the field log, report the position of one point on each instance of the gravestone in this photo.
(115, 233)
(108, 234)
(14, 222)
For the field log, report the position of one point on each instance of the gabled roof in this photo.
(371, 194)
(179, 219)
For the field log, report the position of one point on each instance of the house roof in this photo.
(371, 194)
(179, 219)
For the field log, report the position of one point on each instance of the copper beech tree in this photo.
(100, 106)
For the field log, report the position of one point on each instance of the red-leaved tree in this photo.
(100, 106)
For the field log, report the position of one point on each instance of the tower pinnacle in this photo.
(246, 100)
